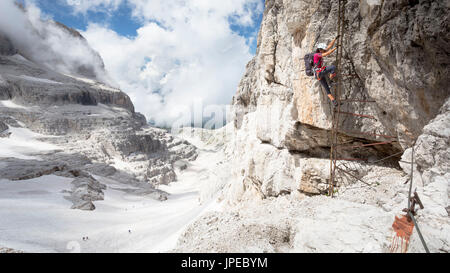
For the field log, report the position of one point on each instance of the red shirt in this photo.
(318, 60)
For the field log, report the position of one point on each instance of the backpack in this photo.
(309, 64)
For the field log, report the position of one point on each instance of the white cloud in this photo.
(82, 6)
(184, 52)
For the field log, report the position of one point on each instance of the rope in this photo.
(409, 203)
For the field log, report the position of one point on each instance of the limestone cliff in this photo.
(395, 54)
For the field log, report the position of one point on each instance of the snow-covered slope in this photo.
(37, 216)
(76, 158)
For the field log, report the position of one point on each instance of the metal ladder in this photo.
(335, 132)
(336, 145)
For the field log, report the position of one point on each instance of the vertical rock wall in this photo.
(397, 51)
(397, 54)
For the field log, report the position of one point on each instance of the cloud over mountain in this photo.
(186, 52)
(49, 43)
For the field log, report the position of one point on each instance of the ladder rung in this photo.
(356, 115)
(367, 134)
(364, 101)
(350, 159)
(368, 145)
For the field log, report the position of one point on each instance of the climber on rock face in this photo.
(321, 71)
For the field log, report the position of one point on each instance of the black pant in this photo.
(323, 75)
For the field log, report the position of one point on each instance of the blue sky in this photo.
(121, 19)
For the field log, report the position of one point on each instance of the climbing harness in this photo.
(318, 72)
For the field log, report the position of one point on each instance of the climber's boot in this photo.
(333, 100)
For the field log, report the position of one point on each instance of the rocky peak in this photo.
(49, 44)
(94, 125)
(6, 47)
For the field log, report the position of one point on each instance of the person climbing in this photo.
(321, 71)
